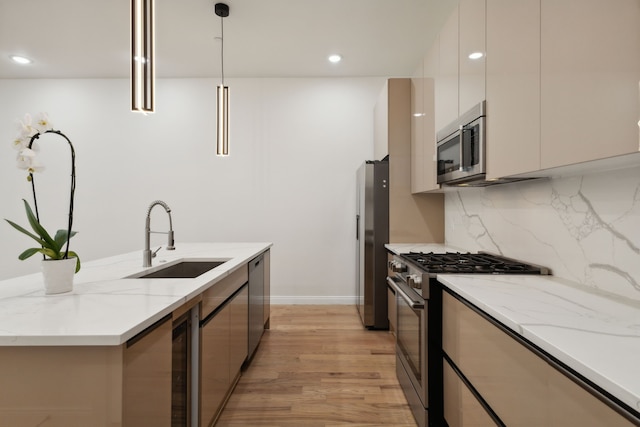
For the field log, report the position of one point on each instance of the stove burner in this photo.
(468, 263)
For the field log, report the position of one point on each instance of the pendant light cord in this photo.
(222, 48)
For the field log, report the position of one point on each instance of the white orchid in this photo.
(26, 159)
(43, 123)
(20, 142)
(26, 127)
(25, 144)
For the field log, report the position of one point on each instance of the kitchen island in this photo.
(75, 359)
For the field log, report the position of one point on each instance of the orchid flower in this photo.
(27, 128)
(43, 123)
(19, 142)
(27, 160)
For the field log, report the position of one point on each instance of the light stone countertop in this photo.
(596, 335)
(105, 307)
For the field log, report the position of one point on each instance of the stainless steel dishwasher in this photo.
(256, 302)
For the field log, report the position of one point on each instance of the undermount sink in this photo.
(181, 270)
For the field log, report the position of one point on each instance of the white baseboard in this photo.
(311, 300)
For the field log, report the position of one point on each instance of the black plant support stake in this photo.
(73, 184)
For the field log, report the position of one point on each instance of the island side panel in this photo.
(61, 386)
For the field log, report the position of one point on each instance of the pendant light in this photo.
(222, 92)
(143, 73)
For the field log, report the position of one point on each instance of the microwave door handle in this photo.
(461, 145)
(413, 303)
(463, 164)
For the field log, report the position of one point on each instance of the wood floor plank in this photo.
(318, 367)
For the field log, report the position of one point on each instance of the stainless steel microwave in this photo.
(461, 148)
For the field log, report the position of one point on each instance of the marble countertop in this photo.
(596, 335)
(105, 307)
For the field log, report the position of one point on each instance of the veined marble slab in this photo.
(595, 334)
(105, 307)
(585, 229)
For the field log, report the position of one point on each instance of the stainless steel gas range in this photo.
(419, 323)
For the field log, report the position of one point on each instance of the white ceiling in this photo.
(263, 38)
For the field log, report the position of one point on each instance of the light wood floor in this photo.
(318, 367)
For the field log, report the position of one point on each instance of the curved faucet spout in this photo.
(147, 254)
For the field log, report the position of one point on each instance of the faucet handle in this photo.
(170, 242)
(153, 254)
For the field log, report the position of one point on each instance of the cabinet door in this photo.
(267, 289)
(214, 365)
(447, 79)
(381, 124)
(147, 377)
(472, 41)
(392, 312)
(510, 378)
(429, 150)
(256, 302)
(513, 87)
(571, 405)
(238, 331)
(520, 387)
(590, 71)
(461, 408)
(417, 131)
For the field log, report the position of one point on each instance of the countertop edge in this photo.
(85, 289)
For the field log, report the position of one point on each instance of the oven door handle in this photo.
(400, 290)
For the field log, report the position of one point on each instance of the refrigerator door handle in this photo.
(357, 227)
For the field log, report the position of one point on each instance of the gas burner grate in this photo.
(468, 263)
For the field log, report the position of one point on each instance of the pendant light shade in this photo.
(222, 121)
(222, 92)
(142, 56)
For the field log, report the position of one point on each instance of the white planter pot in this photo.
(58, 275)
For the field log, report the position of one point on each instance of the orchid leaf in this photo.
(22, 230)
(72, 254)
(51, 253)
(39, 229)
(61, 237)
(28, 253)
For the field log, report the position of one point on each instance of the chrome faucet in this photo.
(147, 254)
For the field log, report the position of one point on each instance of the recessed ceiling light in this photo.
(476, 55)
(20, 59)
(335, 58)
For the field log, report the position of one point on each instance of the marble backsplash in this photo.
(585, 229)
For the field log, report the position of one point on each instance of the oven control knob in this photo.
(415, 281)
(397, 266)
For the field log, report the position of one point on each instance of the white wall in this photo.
(585, 228)
(295, 146)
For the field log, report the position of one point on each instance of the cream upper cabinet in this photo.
(512, 87)
(423, 165)
(417, 131)
(412, 218)
(446, 86)
(590, 73)
(381, 124)
(472, 53)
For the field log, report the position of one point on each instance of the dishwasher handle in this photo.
(414, 303)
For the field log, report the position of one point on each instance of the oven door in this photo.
(412, 342)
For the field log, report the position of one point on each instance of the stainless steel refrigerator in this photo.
(372, 233)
